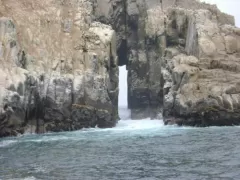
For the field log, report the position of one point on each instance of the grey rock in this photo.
(52, 64)
(60, 67)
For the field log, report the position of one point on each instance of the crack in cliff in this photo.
(122, 50)
(161, 4)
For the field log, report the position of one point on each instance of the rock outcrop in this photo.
(201, 75)
(182, 58)
(59, 68)
(60, 58)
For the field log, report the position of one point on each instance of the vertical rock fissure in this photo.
(114, 84)
(148, 47)
(122, 50)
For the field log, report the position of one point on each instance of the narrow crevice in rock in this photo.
(122, 50)
(123, 53)
(22, 59)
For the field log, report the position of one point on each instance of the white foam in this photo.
(6, 143)
(125, 114)
(49, 138)
(26, 178)
(39, 169)
(30, 178)
(139, 124)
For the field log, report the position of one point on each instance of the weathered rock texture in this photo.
(201, 69)
(59, 67)
(182, 57)
(59, 63)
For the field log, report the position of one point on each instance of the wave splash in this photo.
(139, 124)
(125, 114)
(26, 178)
(6, 143)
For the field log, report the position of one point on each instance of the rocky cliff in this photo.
(59, 68)
(182, 58)
(59, 63)
(201, 69)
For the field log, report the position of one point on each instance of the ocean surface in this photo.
(134, 150)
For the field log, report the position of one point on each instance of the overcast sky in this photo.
(228, 6)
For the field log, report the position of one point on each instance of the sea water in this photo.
(133, 150)
(141, 149)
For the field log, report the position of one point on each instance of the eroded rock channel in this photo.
(60, 58)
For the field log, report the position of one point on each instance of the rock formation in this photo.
(59, 68)
(200, 69)
(182, 58)
(59, 63)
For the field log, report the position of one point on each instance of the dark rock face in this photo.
(209, 117)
